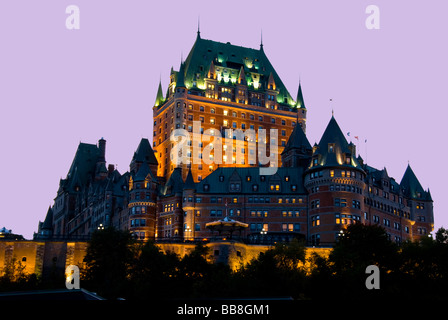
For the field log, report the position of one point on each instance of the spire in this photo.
(300, 102)
(48, 222)
(261, 40)
(181, 76)
(189, 182)
(199, 32)
(159, 97)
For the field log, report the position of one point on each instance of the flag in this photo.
(356, 137)
(348, 133)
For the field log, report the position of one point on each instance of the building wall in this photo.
(43, 258)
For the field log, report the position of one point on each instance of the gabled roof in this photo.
(412, 187)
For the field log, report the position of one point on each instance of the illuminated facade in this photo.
(222, 86)
(313, 195)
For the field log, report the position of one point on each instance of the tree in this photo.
(344, 272)
(108, 259)
(153, 273)
(15, 277)
(275, 272)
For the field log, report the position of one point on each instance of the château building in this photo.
(313, 194)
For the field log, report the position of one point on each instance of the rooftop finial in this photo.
(199, 32)
(332, 110)
(261, 40)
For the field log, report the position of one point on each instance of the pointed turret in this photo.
(144, 153)
(46, 229)
(411, 186)
(159, 97)
(175, 184)
(189, 182)
(300, 101)
(297, 140)
(297, 151)
(333, 149)
(180, 82)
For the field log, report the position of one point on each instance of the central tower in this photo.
(223, 86)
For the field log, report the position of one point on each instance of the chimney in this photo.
(102, 147)
(110, 168)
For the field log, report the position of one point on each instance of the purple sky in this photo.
(59, 87)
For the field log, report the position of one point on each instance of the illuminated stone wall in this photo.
(43, 258)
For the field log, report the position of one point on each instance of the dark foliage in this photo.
(116, 266)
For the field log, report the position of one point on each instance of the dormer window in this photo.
(348, 160)
(331, 147)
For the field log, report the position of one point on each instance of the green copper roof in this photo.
(229, 59)
(300, 101)
(159, 97)
(180, 80)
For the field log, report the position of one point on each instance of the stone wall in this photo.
(46, 257)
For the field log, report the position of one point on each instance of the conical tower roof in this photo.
(300, 101)
(159, 97)
(297, 140)
(411, 186)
